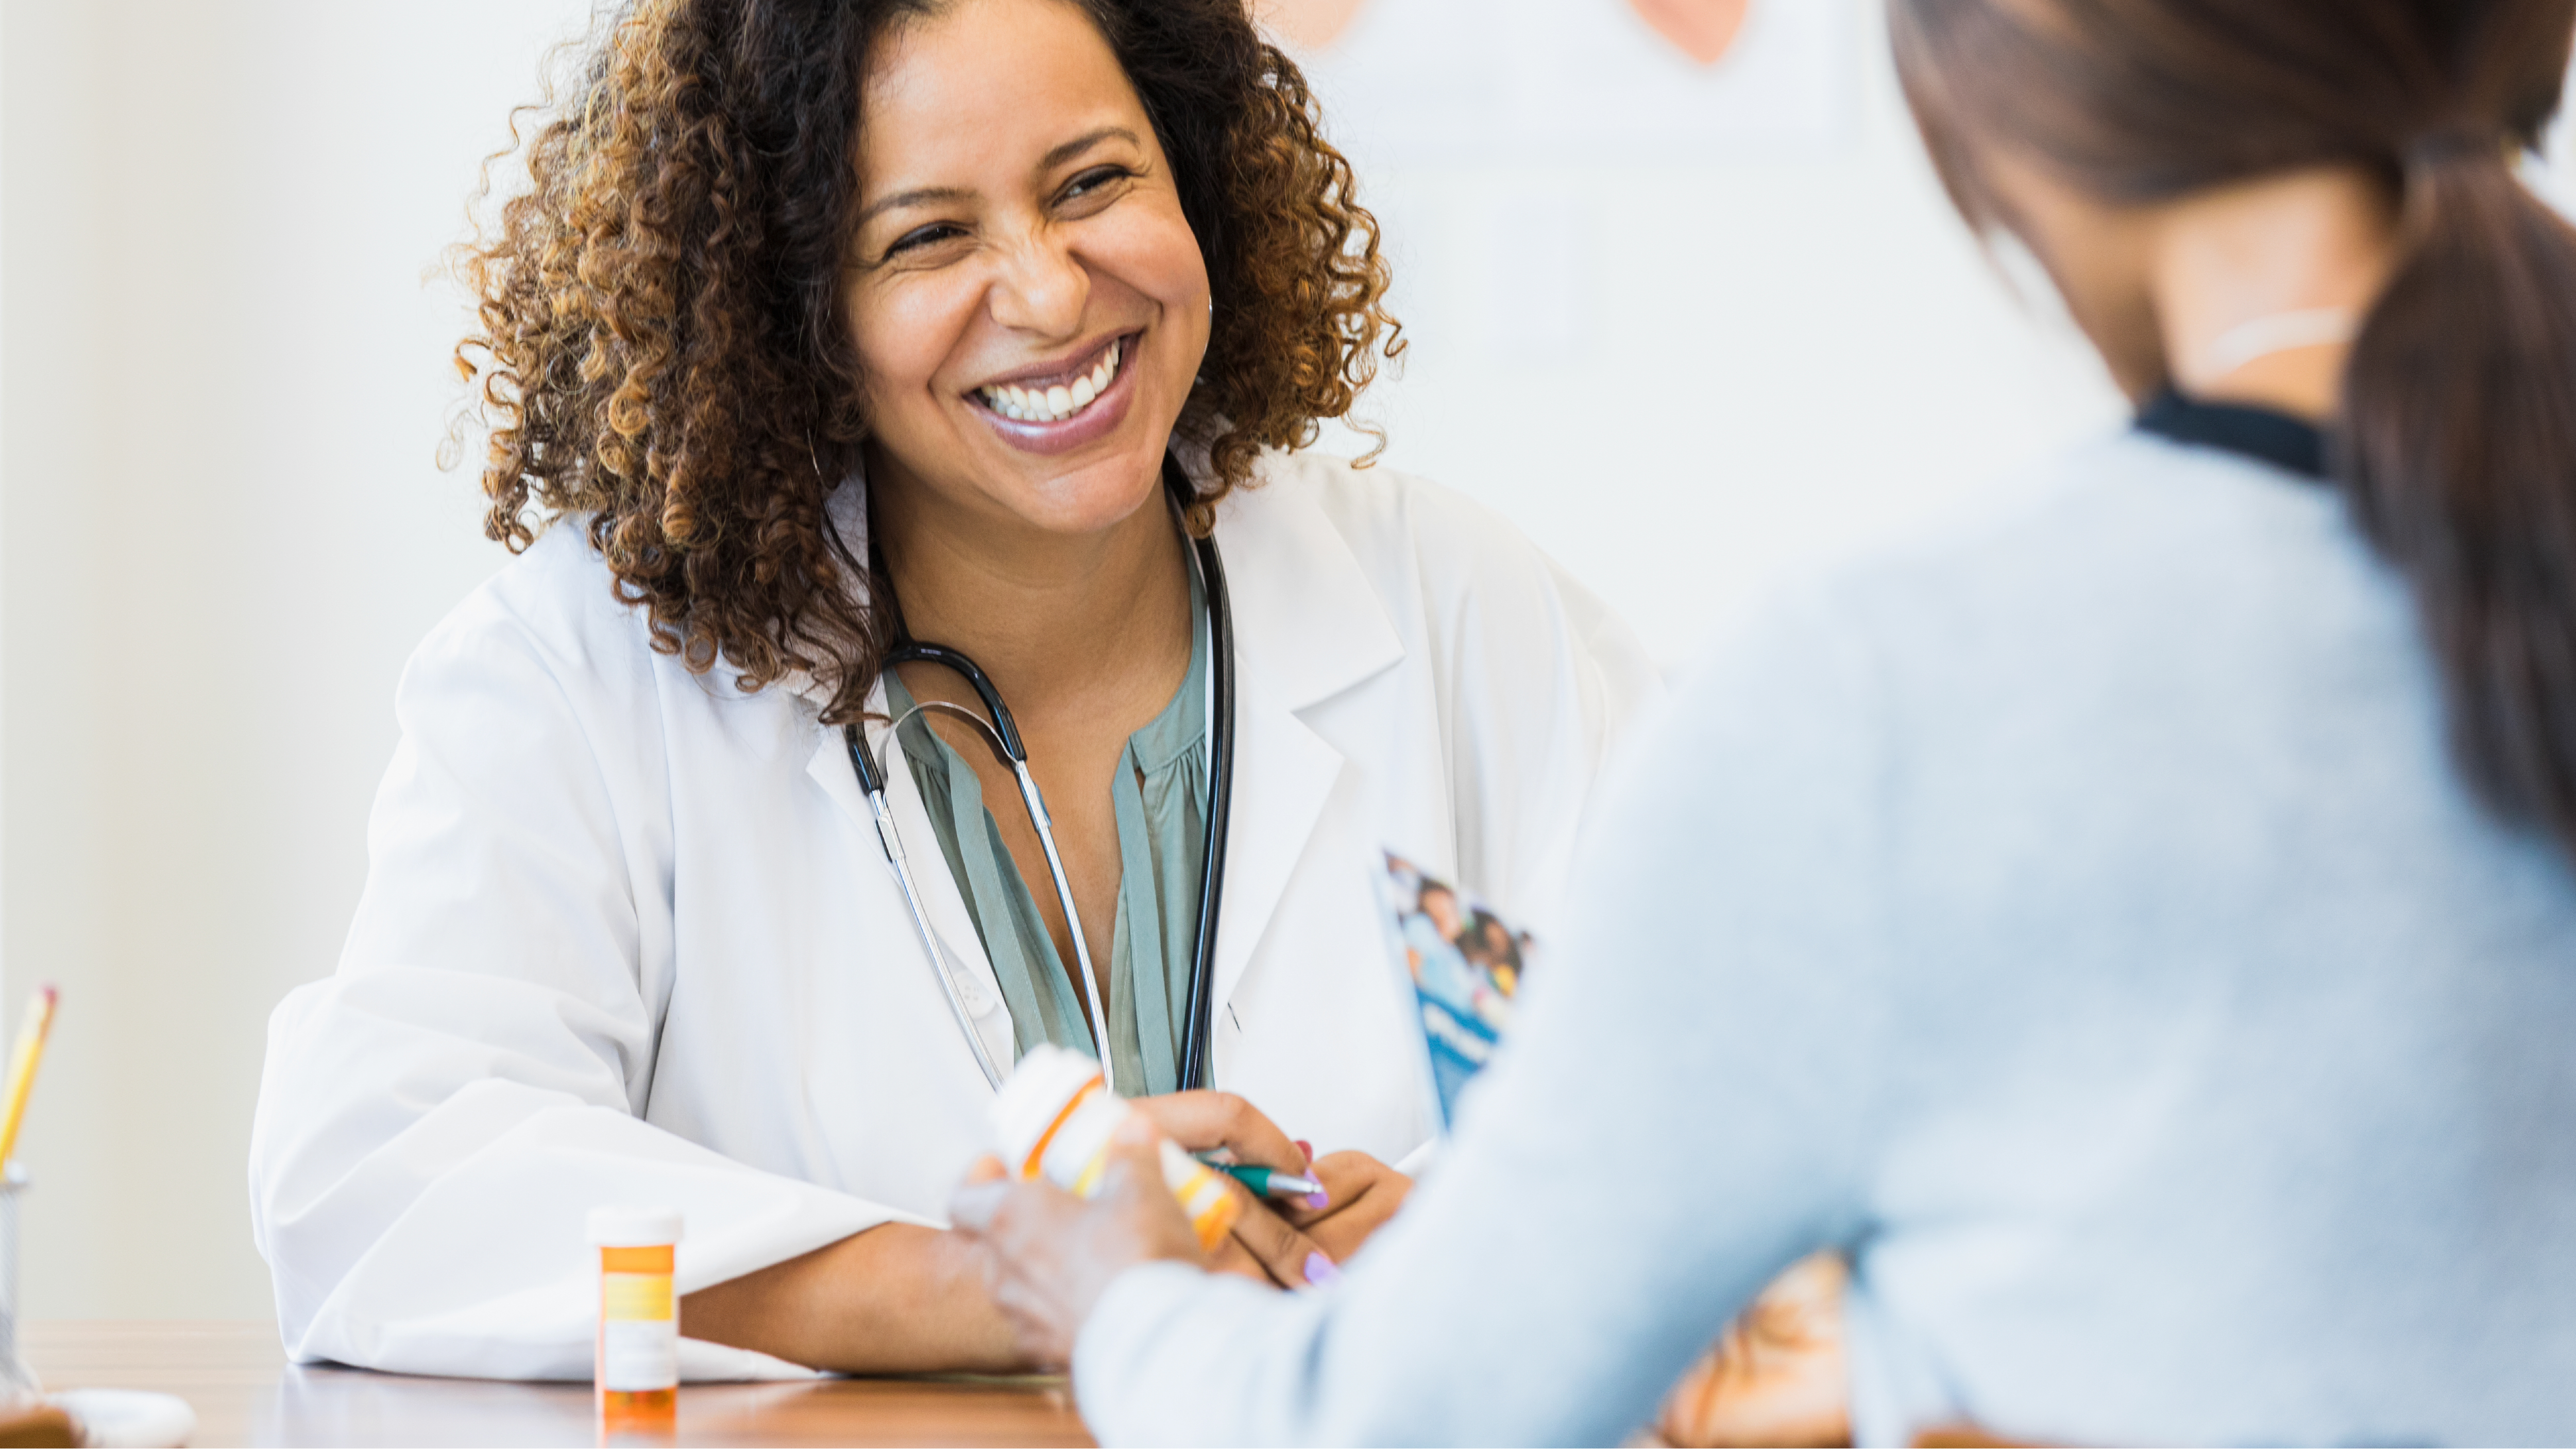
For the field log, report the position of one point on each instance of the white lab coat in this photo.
(628, 936)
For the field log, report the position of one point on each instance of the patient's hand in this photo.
(1049, 1255)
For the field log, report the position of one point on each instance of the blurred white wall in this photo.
(1762, 360)
(222, 383)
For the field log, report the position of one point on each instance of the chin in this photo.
(1093, 496)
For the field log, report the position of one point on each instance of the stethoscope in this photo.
(1004, 736)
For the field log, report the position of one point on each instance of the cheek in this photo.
(902, 331)
(1180, 272)
(1159, 257)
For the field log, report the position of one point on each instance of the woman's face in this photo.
(1027, 300)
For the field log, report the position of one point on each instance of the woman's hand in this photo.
(1293, 1242)
(1223, 1122)
(1050, 1255)
(1268, 1245)
(1360, 1193)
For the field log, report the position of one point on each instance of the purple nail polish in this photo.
(1320, 1270)
(1317, 1201)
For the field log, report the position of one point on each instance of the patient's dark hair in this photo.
(2457, 440)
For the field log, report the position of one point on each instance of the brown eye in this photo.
(1093, 180)
(923, 236)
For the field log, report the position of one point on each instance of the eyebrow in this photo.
(1080, 144)
(926, 195)
(919, 196)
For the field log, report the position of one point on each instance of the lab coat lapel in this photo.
(1283, 777)
(847, 511)
(1307, 626)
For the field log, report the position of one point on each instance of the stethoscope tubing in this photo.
(1196, 1069)
(1004, 733)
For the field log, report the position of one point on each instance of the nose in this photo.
(1042, 288)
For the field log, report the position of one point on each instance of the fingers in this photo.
(1134, 1192)
(1050, 1255)
(1365, 1193)
(986, 1168)
(1135, 1156)
(1020, 1228)
(1350, 1176)
(1260, 1247)
(1207, 1121)
(977, 1202)
(1232, 1257)
(1290, 1258)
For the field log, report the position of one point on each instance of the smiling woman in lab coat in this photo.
(770, 347)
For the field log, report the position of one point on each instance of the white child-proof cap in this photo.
(628, 1227)
(1047, 1079)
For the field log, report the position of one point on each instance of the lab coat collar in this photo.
(1308, 625)
(1307, 622)
(845, 512)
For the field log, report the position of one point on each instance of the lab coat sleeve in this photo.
(437, 1119)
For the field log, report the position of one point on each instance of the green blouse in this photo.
(1160, 796)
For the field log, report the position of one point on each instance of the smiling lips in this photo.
(1054, 401)
(1064, 407)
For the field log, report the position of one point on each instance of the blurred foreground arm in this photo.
(1678, 1118)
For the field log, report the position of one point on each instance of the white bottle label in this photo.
(639, 1355)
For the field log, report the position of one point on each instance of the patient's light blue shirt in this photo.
(2082, 924)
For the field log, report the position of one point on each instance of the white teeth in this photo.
(1057, 403)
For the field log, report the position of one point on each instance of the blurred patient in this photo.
(2139, 932)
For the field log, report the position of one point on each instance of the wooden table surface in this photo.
(245, 1392)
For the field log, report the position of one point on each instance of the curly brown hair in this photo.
(660, 342)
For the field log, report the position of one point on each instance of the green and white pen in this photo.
(1269, 1182)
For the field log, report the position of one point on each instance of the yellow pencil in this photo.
(22, 1067)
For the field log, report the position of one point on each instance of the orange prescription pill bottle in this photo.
(1054, 1118)
(636, 1363)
